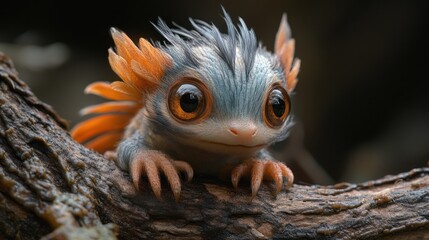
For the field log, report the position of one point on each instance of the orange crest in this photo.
(141, 70)
(285, 49)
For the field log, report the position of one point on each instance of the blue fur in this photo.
(238, 73)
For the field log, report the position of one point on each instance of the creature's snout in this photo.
(243, 130)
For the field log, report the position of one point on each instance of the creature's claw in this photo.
(151, 162)
(152, 173)
(287, 173)
(237, 173)
(257, 175)
(274, 170)
(171, 173)
(136, 168)
(259, 170)
(184, 167)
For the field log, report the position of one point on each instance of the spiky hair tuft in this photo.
(205, 34)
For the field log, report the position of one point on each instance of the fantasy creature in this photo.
(205, 101)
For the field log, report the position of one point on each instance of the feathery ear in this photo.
(139, 67)
(285, 49)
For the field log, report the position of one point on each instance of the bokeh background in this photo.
(362, 103)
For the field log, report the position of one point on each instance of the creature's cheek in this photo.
(268, 135)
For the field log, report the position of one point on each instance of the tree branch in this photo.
(52, 186)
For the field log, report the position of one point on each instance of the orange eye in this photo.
(276, 107)
(189, 100)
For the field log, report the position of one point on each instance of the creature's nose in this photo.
(243, 130)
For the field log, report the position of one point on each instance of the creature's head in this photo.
(223, 92)
(218, 92)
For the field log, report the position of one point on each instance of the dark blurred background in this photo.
(362, 103)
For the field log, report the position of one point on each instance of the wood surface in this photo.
(54, 188)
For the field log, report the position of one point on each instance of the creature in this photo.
(204, 101)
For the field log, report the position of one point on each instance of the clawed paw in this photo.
(259, 170)
(150, 163)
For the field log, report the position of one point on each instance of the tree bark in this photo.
(53, 187)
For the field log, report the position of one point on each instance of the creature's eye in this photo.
(189, 100)
(276, 107)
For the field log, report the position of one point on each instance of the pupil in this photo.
(189, 102)
(278, 106)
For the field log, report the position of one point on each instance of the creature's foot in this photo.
(151, 162)
(258, 170)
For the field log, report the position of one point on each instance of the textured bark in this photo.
(50, 186)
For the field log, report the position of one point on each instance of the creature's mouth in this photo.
(235, 145)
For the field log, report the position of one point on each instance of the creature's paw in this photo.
(150, 162)
(259, 170)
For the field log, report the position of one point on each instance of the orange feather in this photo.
(158, 59)
(124, 45)
(283, 34)
(284, 47)
(105, 142)
(140, 67)
(287, 52)
(291, 78)
(121, 67)
(104, 89)
(127, 89)
(98, 125)
(141, 70)
(112, 107)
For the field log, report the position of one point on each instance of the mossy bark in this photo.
(53, 187)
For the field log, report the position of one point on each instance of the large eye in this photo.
(189, 100)
(276, 106)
